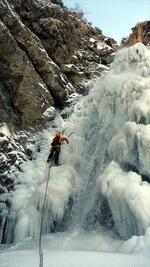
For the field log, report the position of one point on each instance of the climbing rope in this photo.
(42, 217)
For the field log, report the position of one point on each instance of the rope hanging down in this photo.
(42, 216)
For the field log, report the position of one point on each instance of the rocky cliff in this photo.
(46, 53)
(140, 33)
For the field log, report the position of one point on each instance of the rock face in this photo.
(21, 80)
(112, 43)
(140, 33)
(46, 53)
(14, 149)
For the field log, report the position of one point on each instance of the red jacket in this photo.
(57, 141)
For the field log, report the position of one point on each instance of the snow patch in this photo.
(41, 85)
(92, 40)
(50, 113)
(5, 130)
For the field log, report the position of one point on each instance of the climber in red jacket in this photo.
(56, 147)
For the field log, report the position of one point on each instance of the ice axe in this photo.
(69, 134)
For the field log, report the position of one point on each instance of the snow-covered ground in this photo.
(101, 174)
(75, 248)
(23, 258)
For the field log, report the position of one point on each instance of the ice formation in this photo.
(107, 157)
(28, 202)
(132, 146)
(112, 123)
(28, 195)
(129, 199)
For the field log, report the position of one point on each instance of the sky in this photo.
(114, 17)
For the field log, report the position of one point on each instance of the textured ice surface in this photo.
(28, 200)
(128, 198)
(111, 123)
(132, 145)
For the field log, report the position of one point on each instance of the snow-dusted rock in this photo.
(50, 113)
(50, 57)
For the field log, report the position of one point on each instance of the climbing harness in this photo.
(42, 216)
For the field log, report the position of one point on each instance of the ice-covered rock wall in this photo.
(112, 123)
(104, 164)
(128, 198)
(127, 195)
(27, 199)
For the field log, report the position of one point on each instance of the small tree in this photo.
(77, 9)
(98, 30)
(124, 40)
(57, 2)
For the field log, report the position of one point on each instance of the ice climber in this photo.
(56, 147)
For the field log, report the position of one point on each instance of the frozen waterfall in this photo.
(113, 124)
(100, 179)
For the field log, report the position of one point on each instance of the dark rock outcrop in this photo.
(15, 148)
(140, 33)
(112, 43)
(46, 53)
(28, 94)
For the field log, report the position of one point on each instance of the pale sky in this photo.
(114, 17)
